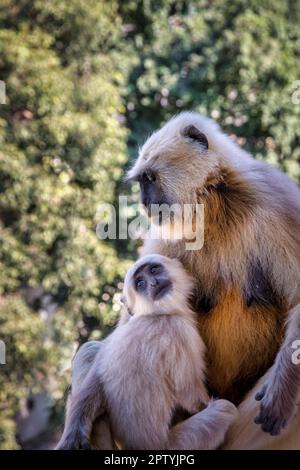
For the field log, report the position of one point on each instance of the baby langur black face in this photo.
(152, 281)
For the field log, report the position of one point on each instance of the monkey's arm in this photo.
(278, 397)
(244, 434)
(205, 430)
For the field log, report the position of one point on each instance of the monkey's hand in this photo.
(277, 405)
(77, 439)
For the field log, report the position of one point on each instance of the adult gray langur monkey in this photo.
(151, 365)
(247, 274)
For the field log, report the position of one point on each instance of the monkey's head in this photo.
(156, 284)
(178, 161)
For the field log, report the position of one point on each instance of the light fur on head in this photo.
(169, 146)
(169, 152)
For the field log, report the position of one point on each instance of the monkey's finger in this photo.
(270, 425)
(259, 396)
(278, 426)
(263, 416)
(281, 424)
(284, 423)
(85, 445)
(258, 420)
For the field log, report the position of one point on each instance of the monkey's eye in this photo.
(140, 283)
(30, 403)
(154, 269)
(149, 176)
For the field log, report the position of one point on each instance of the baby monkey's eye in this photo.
(154, 269)
(140, 283)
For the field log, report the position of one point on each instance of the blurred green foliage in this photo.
(235, 61)
(62, 152)
(83, 79)
(35, 351)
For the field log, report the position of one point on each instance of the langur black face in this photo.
(166, 182)
(151, 190)
(152, 280)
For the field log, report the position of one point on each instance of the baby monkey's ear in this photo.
(123, 302)
(193, 133)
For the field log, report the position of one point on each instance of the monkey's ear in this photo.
(193, 133)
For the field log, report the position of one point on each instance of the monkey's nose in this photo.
(154, 283)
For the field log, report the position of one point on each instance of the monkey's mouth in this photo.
(162, 290)
(159, 214)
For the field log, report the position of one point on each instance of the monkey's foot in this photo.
(225, 407)
(276, 408)
(76, 440)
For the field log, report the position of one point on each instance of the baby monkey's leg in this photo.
(85, 403)
(205, 430)
(101, 437)
(82, 363)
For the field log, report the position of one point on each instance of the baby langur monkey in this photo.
(151, 365)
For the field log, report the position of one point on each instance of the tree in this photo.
(237, 62)
(62, 152)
